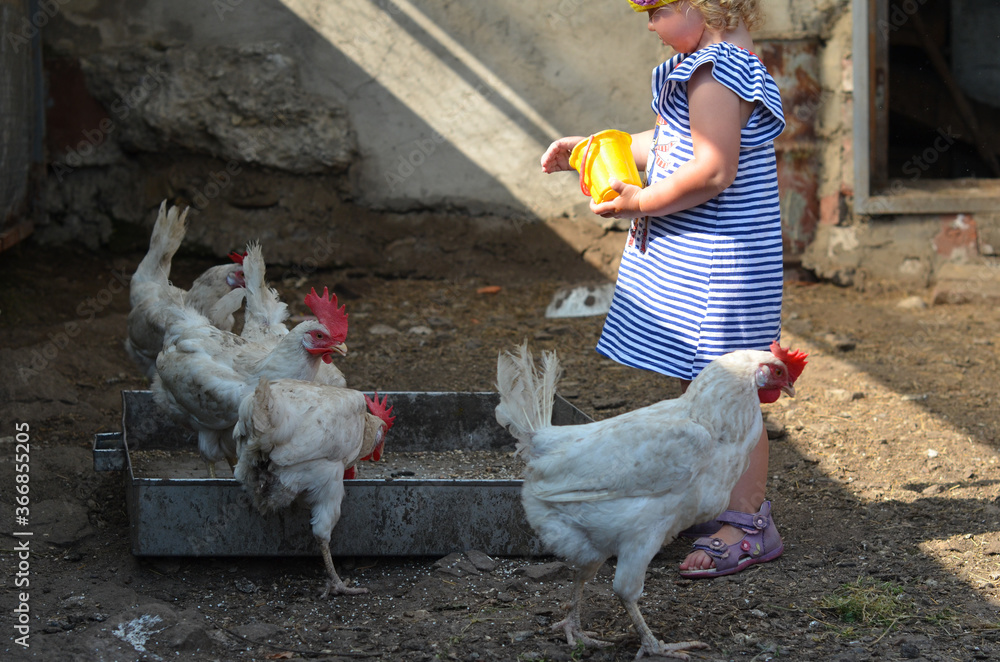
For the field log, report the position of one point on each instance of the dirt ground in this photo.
(886, 485)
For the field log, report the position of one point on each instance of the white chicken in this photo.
(625, 485)
(154, 301)
(204, 372)
(296, 439)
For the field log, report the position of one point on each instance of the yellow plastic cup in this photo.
(604, 156)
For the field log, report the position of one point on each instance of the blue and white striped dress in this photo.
(699, 283)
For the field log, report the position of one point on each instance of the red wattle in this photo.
(376, 453)
(768, 395)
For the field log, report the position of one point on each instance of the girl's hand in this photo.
(625, 206)
(556, 157)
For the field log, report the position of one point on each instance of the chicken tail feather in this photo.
(168, 233)
(526, 393)
(263, 307)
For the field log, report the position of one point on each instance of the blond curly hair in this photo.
(726, 14)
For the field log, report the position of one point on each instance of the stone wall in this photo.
(915, 249)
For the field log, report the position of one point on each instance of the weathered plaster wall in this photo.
(285, 118)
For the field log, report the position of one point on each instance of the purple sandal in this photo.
(760, 544)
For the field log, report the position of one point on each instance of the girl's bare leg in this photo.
(746, 497)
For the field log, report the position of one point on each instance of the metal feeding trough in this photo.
(173, 512)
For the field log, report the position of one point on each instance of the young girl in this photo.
(701, 273)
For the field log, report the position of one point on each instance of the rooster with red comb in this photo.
(300, 439)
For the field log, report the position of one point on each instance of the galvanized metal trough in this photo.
(196, 516)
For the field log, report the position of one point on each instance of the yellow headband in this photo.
(644, 5)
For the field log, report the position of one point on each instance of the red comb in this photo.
(350, 473)
(380, 410)
(326, 311)
(794, 360)
(237, 257)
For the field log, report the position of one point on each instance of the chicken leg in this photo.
(335, 585)
(650, 644)
(212, 473)
(208, 440)
(571, 624)
(630, 575)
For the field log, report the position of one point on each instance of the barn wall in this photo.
(916, 249)
(19, 127)
(282, 118)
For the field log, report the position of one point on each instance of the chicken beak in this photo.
(789, 390)
(328, 353)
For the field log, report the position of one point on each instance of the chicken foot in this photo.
(653, 646)
(571, 624)
(211, 467)
(335, 585)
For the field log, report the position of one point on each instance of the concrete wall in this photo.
(275, 117)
